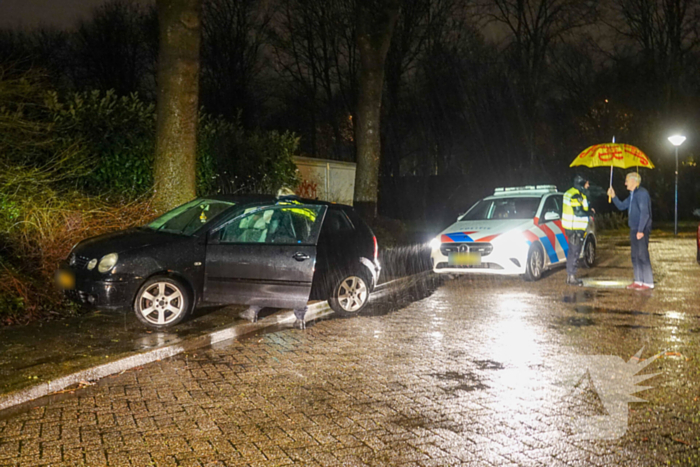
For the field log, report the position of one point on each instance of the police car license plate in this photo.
(65, 279)
(465, 259)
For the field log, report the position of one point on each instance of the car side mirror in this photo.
(551, 216)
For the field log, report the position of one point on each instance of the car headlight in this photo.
(91, 265)
(435, 243)
(512, 242)
(107, 262)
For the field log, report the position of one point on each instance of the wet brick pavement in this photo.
(467, 374)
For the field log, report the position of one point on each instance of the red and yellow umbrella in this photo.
(612, 155)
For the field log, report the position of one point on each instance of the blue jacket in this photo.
(638, 205)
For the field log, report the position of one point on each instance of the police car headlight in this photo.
(435, 243)
(512, 242)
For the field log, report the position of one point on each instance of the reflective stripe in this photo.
(579, 225)
(569, 220)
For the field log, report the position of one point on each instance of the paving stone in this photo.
(467, 374)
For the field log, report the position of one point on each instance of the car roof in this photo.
(270, 199)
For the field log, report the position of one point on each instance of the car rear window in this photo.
(336, 221)
(502, 208)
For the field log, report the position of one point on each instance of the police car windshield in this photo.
(502, 208)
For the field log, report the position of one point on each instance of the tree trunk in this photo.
(376, 19)
(175, 165)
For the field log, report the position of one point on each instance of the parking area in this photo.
(466, 371)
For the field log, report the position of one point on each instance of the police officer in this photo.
(575, 221)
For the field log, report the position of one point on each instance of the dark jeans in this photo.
(640, 258)
(575, 238)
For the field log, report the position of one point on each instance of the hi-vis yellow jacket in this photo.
(575, 213)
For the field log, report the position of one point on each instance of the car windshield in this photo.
(190, 217)
(502, 208)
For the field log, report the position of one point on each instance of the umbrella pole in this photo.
(611, 173)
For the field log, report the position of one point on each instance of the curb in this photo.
(314, 311)
(409, 280)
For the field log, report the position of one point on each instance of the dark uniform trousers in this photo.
(575, 238)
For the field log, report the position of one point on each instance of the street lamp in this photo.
(676, 140)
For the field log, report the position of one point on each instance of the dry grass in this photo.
(43, 237)
(611, 221)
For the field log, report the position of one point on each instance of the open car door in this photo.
(264, 257)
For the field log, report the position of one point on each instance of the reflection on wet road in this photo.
(467, 371)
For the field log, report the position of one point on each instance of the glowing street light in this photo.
(676, 140)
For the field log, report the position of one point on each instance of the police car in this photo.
(517, 231)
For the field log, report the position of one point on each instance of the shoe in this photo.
(571, 280)
(251, 314)
(300, 324)
(634, 286)
(644, 287)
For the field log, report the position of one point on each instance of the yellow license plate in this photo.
(65, 279)
(465, 259)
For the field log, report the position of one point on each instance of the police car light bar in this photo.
(545, 188)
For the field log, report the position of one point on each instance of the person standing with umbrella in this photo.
(638, 205)
(575, 214)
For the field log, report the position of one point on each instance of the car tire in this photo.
(350, 294)
(589, 253)
(162, 302)
(535, 263)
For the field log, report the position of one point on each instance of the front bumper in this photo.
(497, 262)
(115, 294)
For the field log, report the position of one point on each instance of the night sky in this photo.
(20, 14)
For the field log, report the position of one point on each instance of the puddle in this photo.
(488, 365)
(632, 326)
(585, 309)
(580, 296)
(579, 321)
(467, 382)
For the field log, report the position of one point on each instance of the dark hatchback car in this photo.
(261, 251)
(697, 237)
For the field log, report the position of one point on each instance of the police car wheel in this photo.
(589, 254)
(535, 263)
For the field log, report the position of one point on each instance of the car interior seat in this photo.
(283, 231)
(254, 228)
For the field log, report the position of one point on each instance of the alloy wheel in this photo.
(590, 253)
(352, 293)
(536, 262)
(161, 303)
